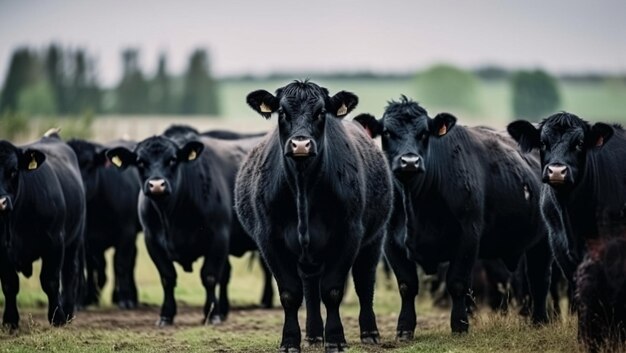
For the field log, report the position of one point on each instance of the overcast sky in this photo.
(258, 37)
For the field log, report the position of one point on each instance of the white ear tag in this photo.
(443, 130)
(33, 163)
(343, 110)
(192, 155)
(265, 108)
(117, 161)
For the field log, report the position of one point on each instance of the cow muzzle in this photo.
(5, 204)
(556, 174)
(157, 187)
(299, 147)
(409, 163)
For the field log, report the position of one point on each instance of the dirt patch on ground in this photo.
(242, 322)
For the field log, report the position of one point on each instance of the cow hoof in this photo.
(215, 320)
(288, 349)
(404, 336)
(127, 304)
(372, 337)
(11, 326)
(335, 347)
(314, 341)
(165, 321)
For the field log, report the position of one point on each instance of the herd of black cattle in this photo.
(318, 198)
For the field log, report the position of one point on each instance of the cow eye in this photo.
(321, 115)
(13, 174)
(141, 164)
(580, 145)
(543, 146)
(172, 161)
(386, 134)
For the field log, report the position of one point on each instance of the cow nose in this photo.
(300, 146)
(4, 203)
(156, 186)
(557, 173)
(410, 162)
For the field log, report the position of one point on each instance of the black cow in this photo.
(42, 215)
(240, 243)
(461, 193)
(178, 129)
(315, 196)
(584, 192)
(601, 295)
(112, 221)
(186, 210)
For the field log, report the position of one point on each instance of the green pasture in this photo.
(248, 330)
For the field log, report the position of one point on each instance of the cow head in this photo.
(564, 140)
(13, 162)
(90, 157)
(303, 109)
(406, 131)
(158, 160)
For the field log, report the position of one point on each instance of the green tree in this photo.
(132, 92)
(535, 94)
(57, 77)
(37, 99)
(160, 90)
(200, 89)
(22, 73)
(85, 91)
(448, 87)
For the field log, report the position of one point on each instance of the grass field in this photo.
(105, 329)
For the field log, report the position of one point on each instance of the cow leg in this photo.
(539, 263)
(211, 272)
(10, 288)
(268, 290)
(91, 297)
(332, 289)
(167, 272)
(224, 303)
(408, 285)
(69, 274)
(314, 323)
(459, 276)
(50, 283)
(101, 273)
(284, 267)
(124, 265)
(364, 275)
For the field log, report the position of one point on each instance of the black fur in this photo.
(44, 218)
(111, 221)
(193, 215)
(460, 194)
(315, 217)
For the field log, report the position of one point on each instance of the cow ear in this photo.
(190, 151)
(526, 135)
(599, 135)
(100, 157)
(441, 124)
(372, 126)
(121, 157)
(263, 102)
(343, 103)
(31, 159)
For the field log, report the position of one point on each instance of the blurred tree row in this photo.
(61, 81)
(535, 94)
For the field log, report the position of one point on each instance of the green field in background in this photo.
(593, 101)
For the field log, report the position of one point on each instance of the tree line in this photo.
(64, 81)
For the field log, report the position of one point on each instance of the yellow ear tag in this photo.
(443, 130)
(265, 108)
(33, 163)
(343, 110)
(117, 161)
(192, 155)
